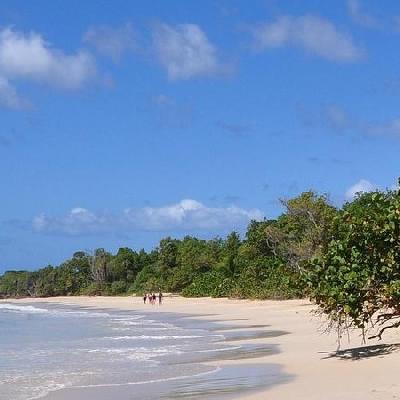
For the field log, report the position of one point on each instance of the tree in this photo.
(16, 284)
(257, 242)
(74, 275)
(194, 257)
(99, 265)
(302, 231)
(167, 253)
(46, 282)
(356, 281)
(124, 266)
(231, 248)
(147, 280)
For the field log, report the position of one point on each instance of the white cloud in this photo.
(311, 33)
(187, 215)
(73, 223)
(361, 186)
(361, 17)
(110, 41)
(185, 51)
(30, 57)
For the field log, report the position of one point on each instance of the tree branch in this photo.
(380, 333)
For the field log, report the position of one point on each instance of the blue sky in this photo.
(123, 122)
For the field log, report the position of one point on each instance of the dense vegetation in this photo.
(267, 263)
(347, 260)
(356, 281)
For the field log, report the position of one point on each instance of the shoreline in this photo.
(305, 353)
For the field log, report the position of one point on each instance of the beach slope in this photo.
(306, 352)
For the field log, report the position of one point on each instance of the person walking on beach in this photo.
(160, 296)
(144, 298)
(154, 298)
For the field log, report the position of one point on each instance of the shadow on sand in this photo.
(360, 353)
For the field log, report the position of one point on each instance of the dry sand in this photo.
(306, 353)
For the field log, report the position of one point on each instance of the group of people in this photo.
(152, 298)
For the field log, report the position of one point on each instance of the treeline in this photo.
(265, 264)
(347, 260)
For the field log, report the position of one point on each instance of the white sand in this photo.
(304, 352)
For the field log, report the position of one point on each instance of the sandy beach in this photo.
(305, 353)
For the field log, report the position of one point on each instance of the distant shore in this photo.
(305, 353)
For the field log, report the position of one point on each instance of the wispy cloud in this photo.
(111, 41)
(386, 128)
(361, 186)
(9, 97)
(235, 129)
(185, 51)
(360, 17)
(183, 216)
(342, 121)
(162, 100)
(338, 119)
(314, 34)
(170, 113)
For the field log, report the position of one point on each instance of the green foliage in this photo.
(96, 289)
(213, 283)
(194, 257)
(260, 266)
(347, 260)
(302, 231)
(124, 266)
(16, 284)
(356, 281)
(100, 266)
(117, 288)
(268, 279)
(147, 280)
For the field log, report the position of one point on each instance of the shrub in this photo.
(268, 279)
(96, 289)
(117, 287)
(213, 283)
(356, 282)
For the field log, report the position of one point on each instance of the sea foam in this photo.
(22, 309)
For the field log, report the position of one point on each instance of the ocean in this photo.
(68, 352)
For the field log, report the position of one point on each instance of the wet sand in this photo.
(284, 352)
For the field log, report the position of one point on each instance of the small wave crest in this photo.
(28, 309)
(22, 309)
(174, 378)
(151, 337)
